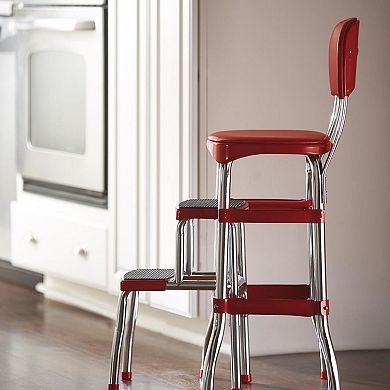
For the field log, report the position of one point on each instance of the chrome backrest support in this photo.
(335, 129)
(334, 117)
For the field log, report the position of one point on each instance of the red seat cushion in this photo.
(226, 146)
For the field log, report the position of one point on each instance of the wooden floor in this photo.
(46, 345)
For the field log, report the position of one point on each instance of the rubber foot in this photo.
(113, 387)
(200, 373)
(246, 378)
(236, 388)
(126, 376)
(323, 375)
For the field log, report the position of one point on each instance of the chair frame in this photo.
(231, 292)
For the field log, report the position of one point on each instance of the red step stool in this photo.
(232, 295)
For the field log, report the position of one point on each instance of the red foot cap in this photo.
(113, 387)
(323, 375)
(126, 376)
(246, 378)
(200, 373)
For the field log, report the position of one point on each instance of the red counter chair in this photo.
(232, 295)
(298, 300)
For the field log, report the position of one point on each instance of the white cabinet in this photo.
(152, 160)
(156, 129)
(7, 147)
(57, 245)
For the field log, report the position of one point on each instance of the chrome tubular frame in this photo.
(189, 248)
(311, 256)
(185, 250)
(180, 251)
(334, 117)
(235, 332)
(240, 227)
(316, 170)
(244, 329)
(118, 337)
(206, 341)
(318, 282)
(335, 130)
(132, 313)
(192, 285)
(220, 259)
(201, 274)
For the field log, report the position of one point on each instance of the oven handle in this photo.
(62, 25)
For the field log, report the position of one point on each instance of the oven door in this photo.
(61, 83)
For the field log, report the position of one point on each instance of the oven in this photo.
(61, 100)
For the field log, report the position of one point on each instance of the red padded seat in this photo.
(227, 146)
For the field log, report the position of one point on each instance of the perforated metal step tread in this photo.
(147, 279)
(209, 203)
(150, 274)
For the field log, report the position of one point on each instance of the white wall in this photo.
(264, 65)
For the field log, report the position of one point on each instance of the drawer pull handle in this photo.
(31, 239)
(81, 251)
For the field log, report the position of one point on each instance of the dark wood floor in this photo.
(46, 345)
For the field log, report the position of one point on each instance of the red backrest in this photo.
(343, 51)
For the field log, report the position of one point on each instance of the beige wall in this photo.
(264, 65)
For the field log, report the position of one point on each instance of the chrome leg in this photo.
(321, 322)
(309, 195)
(235, 331)
(240, 229)
(323, 374)
(180, 251)
(328, 353)
(189, 248)
(206, 342)
(246, 375)
(313, 285)
(235, 354)
(131, 320)
(210, 361)
(244, 320)
(118, 337)
(318, 275)
(220, 259)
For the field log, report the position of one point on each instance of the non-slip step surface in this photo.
(204, 208)
(147, 279)
(150, 274)
(209, 203)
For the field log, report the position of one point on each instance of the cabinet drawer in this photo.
(59, 246)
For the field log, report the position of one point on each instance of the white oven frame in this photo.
(78, 30)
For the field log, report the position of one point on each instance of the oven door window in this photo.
(61, 97)
(57, 89)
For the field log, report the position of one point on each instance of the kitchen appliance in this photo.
(61, 120)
